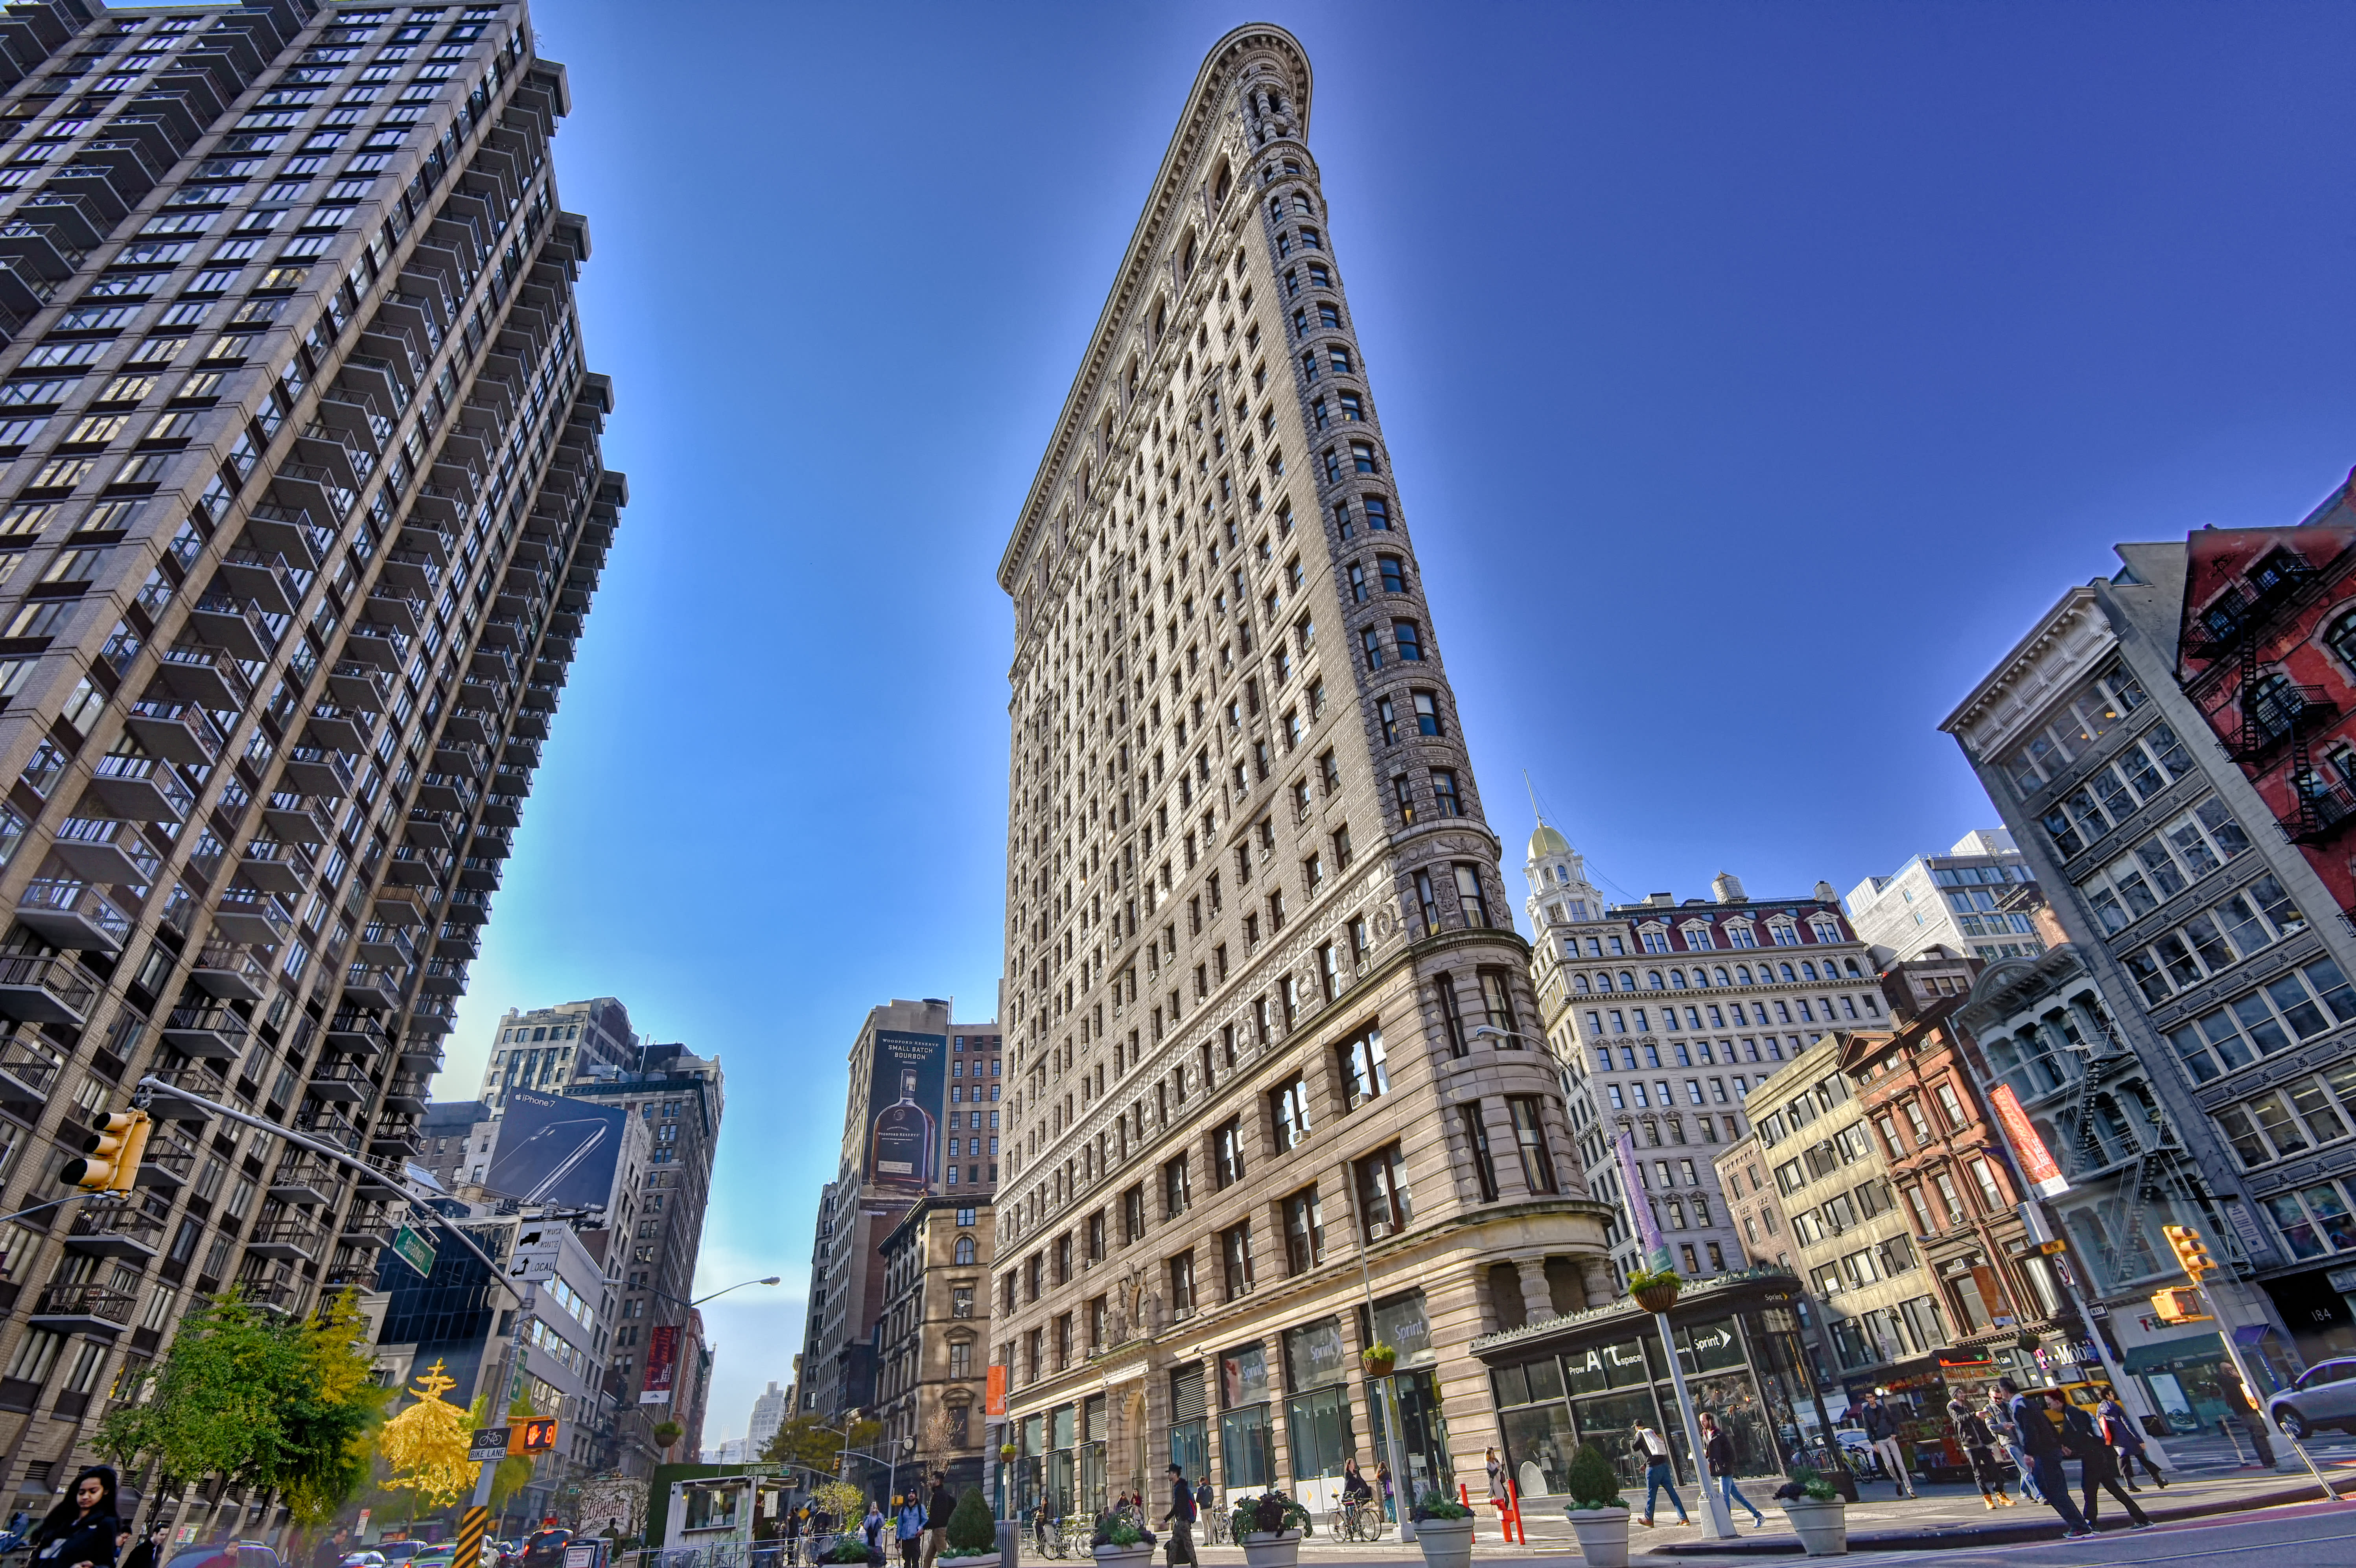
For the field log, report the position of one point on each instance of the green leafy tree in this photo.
(807, 1441)
(265, 1402)
(515, 1470)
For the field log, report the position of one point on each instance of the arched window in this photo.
(965, 1255)
(1579, 983)
(1721, 975)
(1677, 978)
(1653, 980)
(2341, 638)
(2274, 703)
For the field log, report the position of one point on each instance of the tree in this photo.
(932, 1444)
(426, 1443)
(265, 1402)
(807, 1441)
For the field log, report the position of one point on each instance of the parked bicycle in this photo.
(1360, 1520)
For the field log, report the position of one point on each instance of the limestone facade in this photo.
(1270, 1088)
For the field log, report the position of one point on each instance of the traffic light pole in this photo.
(2194, 1260)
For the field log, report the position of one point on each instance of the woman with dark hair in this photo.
(79, 1532)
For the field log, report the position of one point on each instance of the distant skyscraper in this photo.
(549, 1046)
(303, 511)
(1979, 898)
(768, 1414)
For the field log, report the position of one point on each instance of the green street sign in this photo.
(413, 1250)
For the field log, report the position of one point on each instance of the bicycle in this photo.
(1047, 1534)
(1359, 1520)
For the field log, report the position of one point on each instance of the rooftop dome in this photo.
(1546, 841)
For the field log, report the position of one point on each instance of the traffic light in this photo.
(111, 1152)
(2178, 1304)
(2190, 1255)
(532, 1434)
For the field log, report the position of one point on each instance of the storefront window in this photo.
(1313, 1355)
(1060, 1495)
(1423, 1430)
(1244, 1460)
(1189, 1436)
(1399, 1322)
(1318, 1425)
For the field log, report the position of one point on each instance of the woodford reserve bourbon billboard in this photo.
(906, 1087)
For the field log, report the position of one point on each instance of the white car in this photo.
(2325, 1395)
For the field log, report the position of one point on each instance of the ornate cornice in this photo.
(2057, 654)
(1134, 279)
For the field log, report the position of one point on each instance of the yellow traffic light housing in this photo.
(2178, 1304)
(111, 1153)
(2190, 1255)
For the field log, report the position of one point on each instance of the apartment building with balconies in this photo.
(303, 501)
(1261, 978)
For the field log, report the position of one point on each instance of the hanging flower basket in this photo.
(1378, 1359)
(1656, 1290)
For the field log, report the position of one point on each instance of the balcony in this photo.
(400, 906)
(2320, 814)
(54, 989)
(368, 1224)
(373, 641)
(249, 914)
(372, 986)
(460, 757)
(385, 1179)
(486, 692)
(406, 1094)
(466, 906)
(315, 487)
(395, 1139)
(295, 820)
(329, 1128)
(72, 914)
(458, 941)
(306, 1180)
(230, 972)
(433, 829)
(356, 686)
(209, 1034)
(289, 1237)
(227, 621)
(288, 531)
(139, 788)
(30, 1066)
(410, 867)
(263, 577)
(2245, 607)
(198, 1080)
(178, 731)
(209, 677)
(276, 867)
(495, 664)
(281, 1297)
(106, 849)
(447, 792)
(116, 1228)
(444, 977)
(418, 537)
(512, 782)
(347, 1081)
(530, 726)
(415, 571)
(470, 726)
(422, 1056)
(356, 1034)
(479, 872)
(169, 1160)
(334, 729)
(387, 944)
(492, 844)
(2276, 714)
(89, 1308)
(317, 771)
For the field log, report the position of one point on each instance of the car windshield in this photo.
(192, 1556)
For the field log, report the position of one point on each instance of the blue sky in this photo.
(1753, 374)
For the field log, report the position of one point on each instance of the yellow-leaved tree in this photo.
(426, 1444)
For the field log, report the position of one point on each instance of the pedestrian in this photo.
(1496, 1471)
(1654, 1449)
(2098, 1467)
(872, 1527)
(1718, 1451)
(79, 1532)
(1383, 1481)
(2037, 1434)
(2120, 1432)
(149, 1553)
(1999, 1421)
(1181, 1518)
(937, 1509)
(1881, 1429)
(1979, 1447)
(908, 1529)
(1203, 1500)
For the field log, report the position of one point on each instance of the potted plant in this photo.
(1006, 1451)
(1598, 1515)
(1443, 1528)
(1269, 1528)
(1121, 1541)
(1378, 1359)
(972, 1532)
(1819, 1518)
(1655, 1289)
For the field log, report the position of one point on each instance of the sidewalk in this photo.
(2205, 1484)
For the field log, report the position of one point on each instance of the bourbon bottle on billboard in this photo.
(902, 1140)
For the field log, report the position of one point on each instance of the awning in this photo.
(2168, 1352)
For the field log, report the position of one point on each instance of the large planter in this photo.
(1658, 1297)
(1280, 1549)
(1446, 1542)
(1603, 1535)
(1821, 1527)
(1138, 1556)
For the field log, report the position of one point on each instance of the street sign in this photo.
(413, 1250)
(489, 1443)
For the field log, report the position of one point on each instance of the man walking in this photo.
(1181, 1519)
(2036, 1436)
(2098, 1466)
(2000, 1423)
(2120, 1432)
(1654, 1449)
(937, 1509)
(1881, 1431)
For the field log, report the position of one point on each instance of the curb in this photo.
(2012, 1534)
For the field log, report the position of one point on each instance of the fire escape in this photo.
(2272, 713)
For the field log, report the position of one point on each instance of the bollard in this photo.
(1465, 1496)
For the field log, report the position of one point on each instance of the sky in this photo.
(1754, 376)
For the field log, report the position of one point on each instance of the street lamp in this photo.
(1492, 1029)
